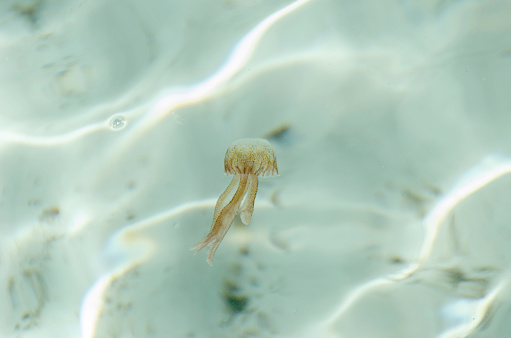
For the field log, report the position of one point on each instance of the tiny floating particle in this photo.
(117, 122)
(49, 215)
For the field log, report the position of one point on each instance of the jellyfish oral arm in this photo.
(223, 221)
(247, 206)
(223, 199)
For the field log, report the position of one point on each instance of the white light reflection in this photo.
(135, 249)
(487, 170)
(472, 313)
(10, 137)
(234, 64)
(172, 100)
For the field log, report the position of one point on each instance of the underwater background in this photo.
(390, 121)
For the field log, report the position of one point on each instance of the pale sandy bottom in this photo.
(390, 121)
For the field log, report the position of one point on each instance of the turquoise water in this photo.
(390, 123)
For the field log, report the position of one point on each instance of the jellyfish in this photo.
(246, 159)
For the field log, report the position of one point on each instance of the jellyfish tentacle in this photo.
(247, 207)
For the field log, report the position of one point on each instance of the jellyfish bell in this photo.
(253, 156)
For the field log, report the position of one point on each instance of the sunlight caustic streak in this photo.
(10, 137)
(238, 58)
(126, 240)
(354, 295)
(486, 171)
(173, 100)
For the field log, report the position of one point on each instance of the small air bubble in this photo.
(117, 122)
